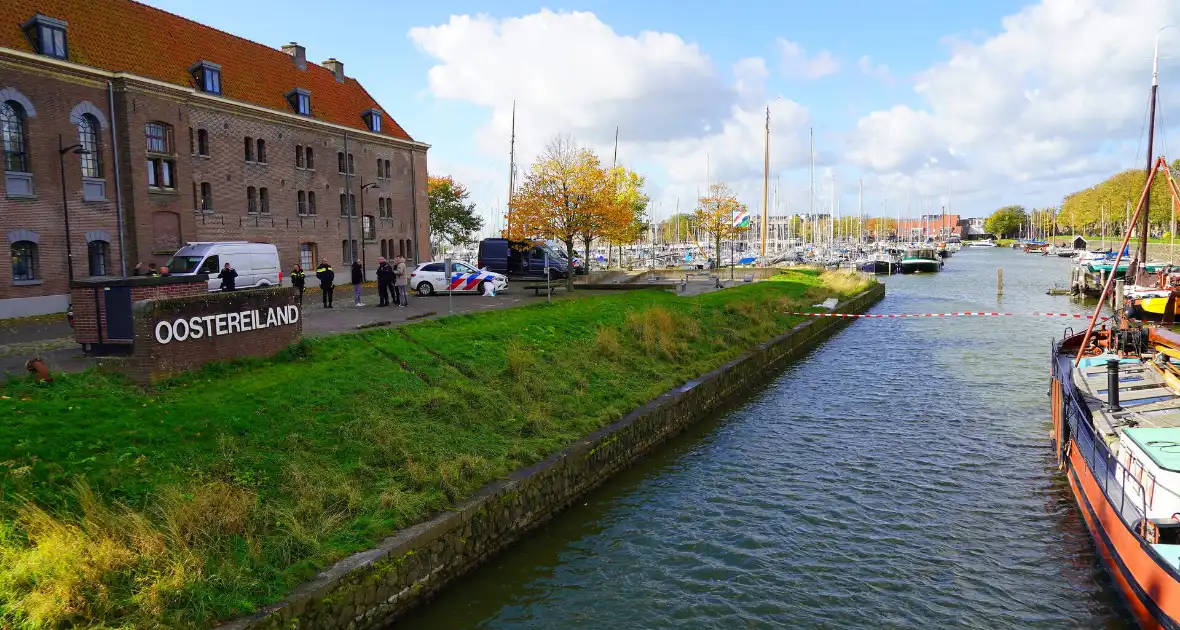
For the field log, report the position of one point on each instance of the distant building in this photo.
(973, 229)
(192, 134)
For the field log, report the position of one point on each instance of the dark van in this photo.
(519, 258)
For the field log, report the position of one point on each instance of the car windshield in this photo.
(184, 264)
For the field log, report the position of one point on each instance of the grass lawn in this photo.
(225, 488)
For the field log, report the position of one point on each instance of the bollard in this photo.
(1118, 294)
(999, 281)
(1112, 385)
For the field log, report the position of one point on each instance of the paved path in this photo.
(51, 339)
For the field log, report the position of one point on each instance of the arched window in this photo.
(401, 247)
(251, 200)
(263, 201)
(387, 169)
(343, 205)
(248, 143)
(381, 208)
(301, 202)
(97, 252)
(384, 249)
(261, 151)
(340, 162)
(88, 138)
(352, 205)
(12, 127)
(311, 203)
(299, 156)
(410, 250)
(310, 159)
(202, 142)
(380, 169)
(24, 261)
(351, 166)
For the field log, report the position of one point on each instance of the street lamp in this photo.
(76, 149)
(364, 263)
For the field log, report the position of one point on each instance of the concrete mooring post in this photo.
(999, 282)
(1118, 294)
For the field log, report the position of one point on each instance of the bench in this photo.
(537, 288)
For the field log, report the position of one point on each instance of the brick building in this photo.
(188, 134)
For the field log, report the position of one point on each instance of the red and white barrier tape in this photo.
(962, 314)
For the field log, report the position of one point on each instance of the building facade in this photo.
(196, 135)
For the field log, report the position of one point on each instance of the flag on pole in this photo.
(742, 220)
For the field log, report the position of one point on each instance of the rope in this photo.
(958, 314)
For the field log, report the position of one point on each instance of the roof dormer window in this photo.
(48, 36)
(300, 100)
(208, 77)
(372, 119)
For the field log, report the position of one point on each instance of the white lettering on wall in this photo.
(184, 329)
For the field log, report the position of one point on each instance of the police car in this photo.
(430, 278)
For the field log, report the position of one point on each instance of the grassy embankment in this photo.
(225, 488)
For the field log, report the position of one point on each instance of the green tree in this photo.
(452, 218)
(1006, 221)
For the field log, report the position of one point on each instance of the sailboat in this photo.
(1115, 403)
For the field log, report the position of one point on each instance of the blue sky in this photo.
(940, 140)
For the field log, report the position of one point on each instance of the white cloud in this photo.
(1038, 102)
(570, 73)
(796, 62)
(875, 70)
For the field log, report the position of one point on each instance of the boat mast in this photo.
(811, 190)
(1155, 76)
(860, 210)
(765, 183)
(511, 171)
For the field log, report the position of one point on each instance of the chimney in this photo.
(336, 67)
(298, 54)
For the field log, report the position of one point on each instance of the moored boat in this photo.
(1115, 403)
(923, 260)
(983, 243)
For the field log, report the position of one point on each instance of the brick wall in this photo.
(53, 98)
(89, 295)
(152, 361)
(157, 221)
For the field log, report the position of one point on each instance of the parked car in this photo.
(520, 259)
(430, 278)
(257, 264)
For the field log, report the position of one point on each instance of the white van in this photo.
(257, 264)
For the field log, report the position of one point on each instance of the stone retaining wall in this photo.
(373, 588)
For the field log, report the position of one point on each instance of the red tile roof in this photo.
(125, 36)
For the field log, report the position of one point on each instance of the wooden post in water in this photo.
(999, 281)
(1118, 294)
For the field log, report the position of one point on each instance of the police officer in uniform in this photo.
(327, 279)
(298, 280)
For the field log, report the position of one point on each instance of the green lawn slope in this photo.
(223, 489)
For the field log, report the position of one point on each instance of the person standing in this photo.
(358, 279)
(327, 279)
(227, 276)
(298, 280)
(385, 278)
(401, 280)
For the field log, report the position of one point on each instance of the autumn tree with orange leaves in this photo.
(715, 213)
(568, 195)
(624, 216)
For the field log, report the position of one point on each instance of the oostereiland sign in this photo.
(190, 328)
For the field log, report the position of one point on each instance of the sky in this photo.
(921, 104)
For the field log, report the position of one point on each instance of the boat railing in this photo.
(1124, 490)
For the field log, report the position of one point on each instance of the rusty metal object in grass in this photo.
(37, 366)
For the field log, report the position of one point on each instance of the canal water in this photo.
(898, 477)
